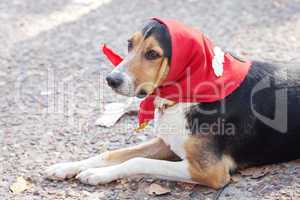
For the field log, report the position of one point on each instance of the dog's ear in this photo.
(160, 32)
(162, 73)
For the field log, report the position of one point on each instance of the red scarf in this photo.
(199, 72)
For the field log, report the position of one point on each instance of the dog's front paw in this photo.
(95, 176)
(63, 171)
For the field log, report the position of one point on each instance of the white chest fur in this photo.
(171, 127)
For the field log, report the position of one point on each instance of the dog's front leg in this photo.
(155, 149)
(169, 170)
(199, 165)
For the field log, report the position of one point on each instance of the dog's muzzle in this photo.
(121, 82)
(115, 80)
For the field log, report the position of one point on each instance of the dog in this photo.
(198, 154)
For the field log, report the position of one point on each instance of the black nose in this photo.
(114, 80)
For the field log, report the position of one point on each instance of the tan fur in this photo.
(148, 73)
(154, 149)
(204, 166)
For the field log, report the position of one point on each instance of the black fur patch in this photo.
(254, 142)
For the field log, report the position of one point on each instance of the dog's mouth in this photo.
(130, 92)
(124, 91)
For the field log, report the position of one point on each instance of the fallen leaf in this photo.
(20, 185)
(259, 174)
(186, 186)
(256, 173)
(155, 189)
(111, 114)
(114, 111)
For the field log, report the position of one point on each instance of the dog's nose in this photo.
(114, 80)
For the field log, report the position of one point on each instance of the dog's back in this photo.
(265, 114)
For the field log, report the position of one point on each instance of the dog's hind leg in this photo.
(205, 166)
(154, 149)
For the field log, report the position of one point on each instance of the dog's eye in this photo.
(151, 55)
(130, 45)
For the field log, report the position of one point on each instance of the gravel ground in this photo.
(52, 87)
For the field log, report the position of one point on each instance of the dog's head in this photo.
(147, 62)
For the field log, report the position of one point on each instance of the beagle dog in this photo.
(198, 154)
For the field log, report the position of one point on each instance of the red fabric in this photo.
(114, 58)
(191, 77)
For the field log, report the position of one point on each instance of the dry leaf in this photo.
(111, 114)
(155, 189)
(260, 173)
(256, 173)
(114, 111)
(20, 185)
(186, 186)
